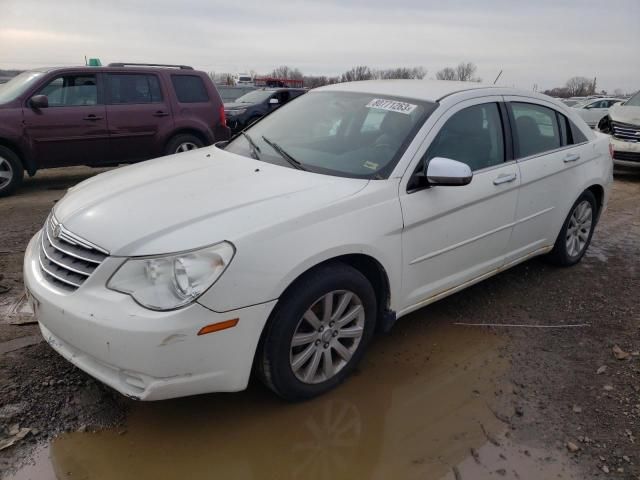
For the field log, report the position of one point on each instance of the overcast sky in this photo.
(541, 42)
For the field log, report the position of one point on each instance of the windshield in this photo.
(346, 134)
(256, 96)
(18, 85)
(634, 101)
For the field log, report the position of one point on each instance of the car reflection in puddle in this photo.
(420, 406)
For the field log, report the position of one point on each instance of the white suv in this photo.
(287, 248)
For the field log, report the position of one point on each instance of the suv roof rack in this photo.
(164, 65)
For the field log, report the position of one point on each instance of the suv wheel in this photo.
(183, 143)
(318, 332)
(576, 233)
(11, 171)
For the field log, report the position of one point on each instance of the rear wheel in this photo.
(576, 233)
(318, 332)
(183, 143)
(11, 171)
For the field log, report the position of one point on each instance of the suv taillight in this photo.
(223, 119)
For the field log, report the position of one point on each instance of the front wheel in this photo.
(11, 172)
(318, 332)
(576, 233)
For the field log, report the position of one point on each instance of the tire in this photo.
(11, 171)
(277, 356)
(575, 236)
(183, 142)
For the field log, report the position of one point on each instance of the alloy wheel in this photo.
(327, 336)
(579, 228)
(186, 147)
(6, 172)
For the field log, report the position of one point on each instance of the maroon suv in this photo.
(97, 116)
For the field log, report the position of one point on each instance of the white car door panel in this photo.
(455, 234)
(548, 183)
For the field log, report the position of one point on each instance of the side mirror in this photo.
(273, 101)
(39, 101)
(447, 172)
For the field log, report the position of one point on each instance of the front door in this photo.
(456, 235)
(73, 129)
(139, 116)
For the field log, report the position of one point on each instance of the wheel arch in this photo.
(598, 192)
(28, 165)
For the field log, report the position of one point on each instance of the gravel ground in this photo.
(572, 389)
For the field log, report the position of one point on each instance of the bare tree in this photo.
(464, 72)
(618, 92)
(313, 81)
(360, 72)
(401, 72)
(284, 71)
(579, 86)
(446, 73)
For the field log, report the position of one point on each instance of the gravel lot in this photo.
(551, 402)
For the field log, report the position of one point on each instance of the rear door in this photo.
(549, 150)
(139, 116)
(73, 129)
(454, 235)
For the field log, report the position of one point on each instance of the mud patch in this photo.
(427, 403)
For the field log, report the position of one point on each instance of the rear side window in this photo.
(536, 129)
(133, 89)
(472, 136)
(189, 88)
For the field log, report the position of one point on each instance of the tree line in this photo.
(465, 71)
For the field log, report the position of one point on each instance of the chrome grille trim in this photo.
(66, 259)
(626, 132)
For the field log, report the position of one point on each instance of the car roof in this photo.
(85, 68)
(430, 90)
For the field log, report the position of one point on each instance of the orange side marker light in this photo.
(216, 327)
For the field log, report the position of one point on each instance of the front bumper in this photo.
(626, 155)
(143, 354)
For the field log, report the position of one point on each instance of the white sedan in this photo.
(285, 250)
(594, 110)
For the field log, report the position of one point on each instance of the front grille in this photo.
(626, 132)
(626, 156)
(65, 259)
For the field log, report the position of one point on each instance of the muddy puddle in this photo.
(424, 404)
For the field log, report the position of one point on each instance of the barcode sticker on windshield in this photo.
(392, 105)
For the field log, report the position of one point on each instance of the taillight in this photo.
(611, 150)
(223, 119)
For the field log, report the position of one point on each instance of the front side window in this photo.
(133, 88)
(536, 129)
(189, 88)
(71, 91)
(472, 136)
(326, 133)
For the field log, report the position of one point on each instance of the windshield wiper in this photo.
(255, 149)
(292, 161)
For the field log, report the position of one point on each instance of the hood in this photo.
(625, 114)
(236, 105)
(191, 200)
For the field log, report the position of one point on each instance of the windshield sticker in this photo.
(370, 165)
(392, 105)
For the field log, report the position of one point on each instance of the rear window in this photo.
(133, 88)
(189, 88)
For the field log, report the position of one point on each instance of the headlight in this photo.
(172, 281)
(233, 113)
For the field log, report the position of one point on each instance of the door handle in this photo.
(571, 157)
(504, 178)
(160, 113)
(92, 117)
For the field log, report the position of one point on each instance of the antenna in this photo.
(494, 82)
